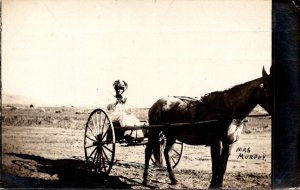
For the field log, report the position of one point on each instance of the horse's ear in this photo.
(264, 73)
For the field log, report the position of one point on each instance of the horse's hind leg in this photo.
(153, 140)
(169, 144)
(148, 152)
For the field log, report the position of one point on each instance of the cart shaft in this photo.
(165, 125)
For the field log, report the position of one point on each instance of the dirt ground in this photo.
(45, 149)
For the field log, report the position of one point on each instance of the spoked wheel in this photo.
(99, 142)
(175, 152)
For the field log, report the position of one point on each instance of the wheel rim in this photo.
(99, 142)
(175, 154)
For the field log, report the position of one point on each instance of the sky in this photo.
(70, 52)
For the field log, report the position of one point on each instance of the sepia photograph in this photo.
(128, 94)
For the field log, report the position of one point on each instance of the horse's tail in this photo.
(157, 151)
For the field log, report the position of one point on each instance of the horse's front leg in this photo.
(226, 150)
(215, 150)
(169, 144)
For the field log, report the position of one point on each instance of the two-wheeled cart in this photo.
(101, 136)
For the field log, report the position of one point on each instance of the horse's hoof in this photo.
(174, 182)
(215, 186)
(145, 182)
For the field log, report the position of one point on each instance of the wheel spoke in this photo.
(105, 155)
(107, 149)
(104, 135)
(91, 153)
(176, 152)
(94, 140)
(92, 118)
(97, 122)
(89, 146)
(173, 160)
(97, 163)
(92, 131)
(103, 162)
(106, 142)
(95, 125)
(103, 124)
(101, 120)
(96, 154)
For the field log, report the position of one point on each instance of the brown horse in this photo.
(223, 106)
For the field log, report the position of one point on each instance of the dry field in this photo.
(45, 149)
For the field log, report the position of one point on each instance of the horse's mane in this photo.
(239, 86)
(217, 97)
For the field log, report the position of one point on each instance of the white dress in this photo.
(125, 118)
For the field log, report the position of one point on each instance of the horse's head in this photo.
(265, 92)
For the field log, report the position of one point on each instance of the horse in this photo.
(223, 106)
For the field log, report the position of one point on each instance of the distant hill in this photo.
(13, 99)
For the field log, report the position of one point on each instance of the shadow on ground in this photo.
(67, 172)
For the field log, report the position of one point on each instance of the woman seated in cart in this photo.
(120, 87)
(120, 113)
